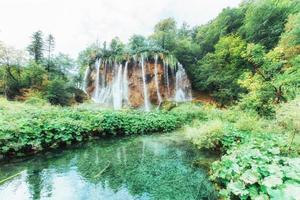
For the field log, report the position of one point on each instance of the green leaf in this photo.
(237, 188)
(250, 177)
(272, 181)
(274, 151)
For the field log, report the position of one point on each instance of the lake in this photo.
(141, 167)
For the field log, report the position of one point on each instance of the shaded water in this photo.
(143, 167)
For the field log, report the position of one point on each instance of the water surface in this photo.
(143, 167)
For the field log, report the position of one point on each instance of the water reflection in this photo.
(145, 167)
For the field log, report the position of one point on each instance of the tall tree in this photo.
(137, 42)
(165, 34)
(264, 23)
(10, 60)
(50, 44)
(36, 47)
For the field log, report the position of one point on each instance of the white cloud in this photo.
(76, 23)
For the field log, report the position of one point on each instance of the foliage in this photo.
(137, 42)
(264, 23)
(260, 157)
(219, 71)
(49, 46)
(25, 128)
(34, 76)
(275, 74)
(57, 92)
(18, 74)
(227, 22)
(164, 34)
(257, 170)
(36, 47)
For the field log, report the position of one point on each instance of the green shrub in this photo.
(33, 128)
(35, 101)
(257, 170)
(190, 111)
(57, 92)
(208, 135)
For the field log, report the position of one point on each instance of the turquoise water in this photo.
(143, 167)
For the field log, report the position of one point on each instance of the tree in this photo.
(50, 44)
(218, 72)
(137, 42)
(227, 22)
(10, 62)
(37, 46)
(116, 46)
(275, 75)
(165, 33)
(57, 92)
(64, 64)
(264, 23)
(34, 76)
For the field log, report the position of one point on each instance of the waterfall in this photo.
(117, 87)
(97, 82)
(112, 82)
(85, 79)
(182, 86)
(146, 97)
(166, 76)
(125, 84)
(156, 80)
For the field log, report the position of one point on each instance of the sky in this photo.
(77, 23)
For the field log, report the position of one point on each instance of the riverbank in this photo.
(259, 157)
(27, 129)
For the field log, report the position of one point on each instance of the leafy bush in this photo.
(25, 128)
(208, 135)
(190, 111)
(57, 92)
(257, 170)
(260, 156)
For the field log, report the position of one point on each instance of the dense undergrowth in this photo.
(260, 157)
(27, 128)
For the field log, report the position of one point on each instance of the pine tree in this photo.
(36, 47)
(50, 44)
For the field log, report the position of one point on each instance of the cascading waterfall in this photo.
(117, 87)
(108, 83)
(97, 81)
(156, 80)
(85, 79)
(145, 90)
(183, 86)
(166, 76)
(125, 84)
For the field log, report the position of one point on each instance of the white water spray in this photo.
(97, 81)
(125, 84)
(85, 79)
(156, 80)
(145, 90)
(117, 87)
(183, 86)
(166, 76)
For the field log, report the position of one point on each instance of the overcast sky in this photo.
(77, 23)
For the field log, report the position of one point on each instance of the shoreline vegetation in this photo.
(247, 59)
(26, 129)
(259, 157)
